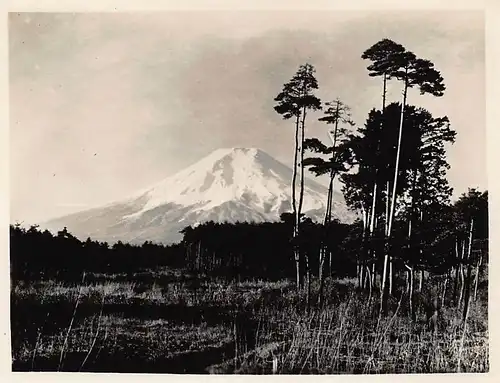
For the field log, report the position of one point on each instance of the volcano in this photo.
(228, 185)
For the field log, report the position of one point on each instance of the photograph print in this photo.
(248, 192)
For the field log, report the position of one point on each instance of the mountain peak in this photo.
(236, 151)
(226, 174)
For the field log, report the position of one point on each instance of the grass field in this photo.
(166, 321)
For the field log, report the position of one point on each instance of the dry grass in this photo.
(183, 326)
(348, 337)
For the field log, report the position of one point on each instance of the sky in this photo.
(104, 104)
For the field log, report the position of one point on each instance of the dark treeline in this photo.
(229, 250)
(38, 254)
(264, 250)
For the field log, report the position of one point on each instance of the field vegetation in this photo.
(169, 321)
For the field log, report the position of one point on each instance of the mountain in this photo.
(237, 184)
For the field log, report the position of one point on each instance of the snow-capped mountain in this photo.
(237, 184)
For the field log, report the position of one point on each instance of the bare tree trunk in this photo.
(444, 288)
(363, 239)
(396, 170)
(199, 255)
(294, 203)
(383, 299)
(467, 291)
(387, 208)
(398, 155)
(301, 195)
(301, 177)
(322, 251)
(374, 204)
(390, 276)
(374, 275)
(308, 281)
(462, 275)
(363, 279)
(407, 281)
(476, 282)
(358, 272)
(462, 286)
(375, 185)
(330, 263)
(370, 282)
(469, 271)
(383, 274)
(371, 253)
(457, 267)
(421, 280)
(412, 307)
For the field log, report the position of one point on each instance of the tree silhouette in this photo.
(295, 99)
(385, 56)
(336, 113)
(413, 71)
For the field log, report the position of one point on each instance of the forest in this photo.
(402, 289)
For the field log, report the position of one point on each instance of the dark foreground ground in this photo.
(167, 322)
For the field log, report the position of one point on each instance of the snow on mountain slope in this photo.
(234, 184)
(247, 175)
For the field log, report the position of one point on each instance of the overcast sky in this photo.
(102, 105)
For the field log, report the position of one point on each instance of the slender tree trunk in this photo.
(322, 254)
(301, 188)
(326, 221)
(322, 250)
(457, 267)
(362, 275)
(476, 282)
(383, 274)
(469, 271)
(372, 251)
(396, 169)
(375, 193)
(383, 299)
(462, 275)
(198, 257)
(301, 195)
(462, 286)
(308, 282)
(444, 288)
(363, 239)
(358, 272)
(407, 281)
(375, 184)
(467, 291)
(330, 263)
(421, 280)
(329, 203)
(297, 267)
(411, 295)
(387, 208)
(391, 276)
(294, 203)
(384, 94)
(398, 155)
(374, 275)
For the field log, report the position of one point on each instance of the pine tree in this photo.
(336, 113)
(293, 102)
